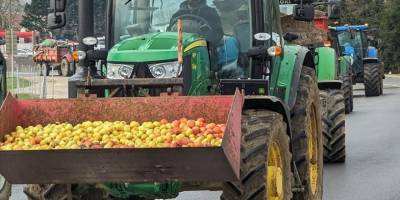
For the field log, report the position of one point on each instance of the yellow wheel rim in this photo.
(274, 173)
(312, 135)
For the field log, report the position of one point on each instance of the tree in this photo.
(357, 12)
(5, 6)
(390, 31)
(35, 17)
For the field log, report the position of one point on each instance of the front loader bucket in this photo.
(122, 165)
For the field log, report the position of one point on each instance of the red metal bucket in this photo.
(122, 165)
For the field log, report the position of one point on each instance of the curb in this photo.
(392, 75)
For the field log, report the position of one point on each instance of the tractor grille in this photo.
(142, 71)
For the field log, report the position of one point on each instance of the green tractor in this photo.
(167, 48)
(330, 71)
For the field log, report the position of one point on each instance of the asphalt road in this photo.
(372, 169)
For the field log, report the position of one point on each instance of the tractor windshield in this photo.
(351, 44)
(203, 17)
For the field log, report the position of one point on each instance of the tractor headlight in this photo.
(119, 71)
(166, 70)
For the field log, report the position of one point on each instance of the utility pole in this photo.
(11, 44)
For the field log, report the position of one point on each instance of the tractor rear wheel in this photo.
(372, 79)
(347, 88)
(65, 68)
(381, 84)
(307, 137)
(265, 170)
(44, 69)
(5, 189)
(334, 126)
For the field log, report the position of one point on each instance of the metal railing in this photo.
(25, 81)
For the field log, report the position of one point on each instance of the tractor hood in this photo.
(151, 47)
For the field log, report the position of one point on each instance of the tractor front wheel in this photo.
(307, 137)
(347, 88)
(372, 79)
(65, 68)
(44, 69)
(265, 170)
(333, 119)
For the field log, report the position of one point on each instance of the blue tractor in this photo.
(355, 43)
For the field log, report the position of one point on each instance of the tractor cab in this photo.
(192, 43)
(353, 42)
(145, 33)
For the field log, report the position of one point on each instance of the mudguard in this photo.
(327, 68)
(327, 64)
(285, 78)
(269, 103)
(372, 55)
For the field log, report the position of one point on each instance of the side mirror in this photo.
(372, 42)
(56, 20)
(56, 17)
(304, 12)
(2, 42)
(334, 9)
(57, 5)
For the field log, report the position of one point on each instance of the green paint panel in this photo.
(167, 190)
(282, 74)
(326, 64)
(200, 64)
(151, 47)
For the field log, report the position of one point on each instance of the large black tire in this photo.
(347, 88)
(5, 189)
(381, 85)
(307, 134)
(323, 99)
(44, 69)
(260, 130)
(65, 68)
(334, 122)
(372, 79)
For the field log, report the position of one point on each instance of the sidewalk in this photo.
(392, 75)
(57, 87)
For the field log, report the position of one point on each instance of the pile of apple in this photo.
(119, 134)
